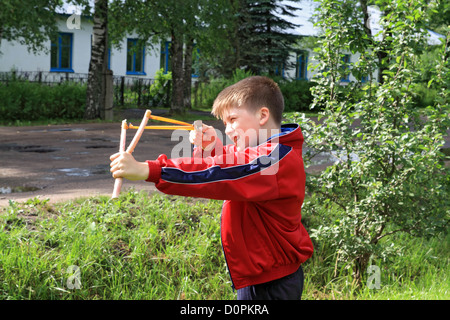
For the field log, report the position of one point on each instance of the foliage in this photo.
(263, 43)
(159, 86)
(388, 176)
(23, 100)
(30, 22)
(297, 94)
(206, 93)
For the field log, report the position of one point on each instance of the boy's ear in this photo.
(264, 115)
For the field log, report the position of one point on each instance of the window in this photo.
(164, 61)
(279, 69)
(61, 53)
(345, 68)
(301, 67)
(135, 57)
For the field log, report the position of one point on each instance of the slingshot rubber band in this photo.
(169, 120)
(183, 125)
(189, 127)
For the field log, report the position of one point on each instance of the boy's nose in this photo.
(228, 129)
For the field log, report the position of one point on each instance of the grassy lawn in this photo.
(163, 247)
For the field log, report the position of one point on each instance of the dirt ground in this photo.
(62, 162)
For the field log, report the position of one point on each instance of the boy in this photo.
(260, 179)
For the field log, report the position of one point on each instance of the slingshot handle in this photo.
(123, 138)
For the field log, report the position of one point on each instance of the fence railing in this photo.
(128, 91)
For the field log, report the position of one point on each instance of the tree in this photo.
(262, 42)
(30, 22)
(156, 22)
(96, 86)
(389, 176)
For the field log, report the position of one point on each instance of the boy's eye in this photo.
(230, 121)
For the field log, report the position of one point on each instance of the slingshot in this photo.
(148, 115)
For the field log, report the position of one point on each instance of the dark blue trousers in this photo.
(286, 288)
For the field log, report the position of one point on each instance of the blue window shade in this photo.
(135, 58)
(301, 70)
(164, 61)
(61, 53)
(346, 68)
(364, 79)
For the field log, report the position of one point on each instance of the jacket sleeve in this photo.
(231, 175)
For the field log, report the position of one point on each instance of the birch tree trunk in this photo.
(96, 88)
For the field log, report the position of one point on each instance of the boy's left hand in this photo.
(123, 165)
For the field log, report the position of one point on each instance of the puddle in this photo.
(37, 149)
(8, 190)
(58, 130)
(75, 172)
(80, 172)
(67, 129)
(100, 147)
(76, 140)
(29, 148)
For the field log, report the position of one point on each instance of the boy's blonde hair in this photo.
(254, 93)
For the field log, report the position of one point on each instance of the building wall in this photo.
(16, 56)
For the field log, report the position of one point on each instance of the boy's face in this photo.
(242, 127)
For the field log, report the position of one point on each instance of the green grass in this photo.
(143, 246)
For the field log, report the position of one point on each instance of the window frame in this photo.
(301, 65)
(59, 45)
(166, 53)
(133, 71)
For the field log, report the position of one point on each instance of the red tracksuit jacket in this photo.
(263, 187)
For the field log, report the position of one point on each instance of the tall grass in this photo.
(162, 247)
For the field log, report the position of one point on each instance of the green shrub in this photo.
(23, 100)
(297, 95)
(205, 92)
(424, 96)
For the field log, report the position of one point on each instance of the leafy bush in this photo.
(388, 176)
(297, 95)
(23, 100)
(205, 93)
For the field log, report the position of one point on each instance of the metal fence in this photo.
(129, 91)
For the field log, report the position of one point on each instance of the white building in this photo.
(72, 53)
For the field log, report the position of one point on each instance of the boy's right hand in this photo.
(206, 138)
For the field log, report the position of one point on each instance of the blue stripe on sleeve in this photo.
(216, 173)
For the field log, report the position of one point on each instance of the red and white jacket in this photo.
(263, 187)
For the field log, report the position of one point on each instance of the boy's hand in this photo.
(206, 139)
(123, 165)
